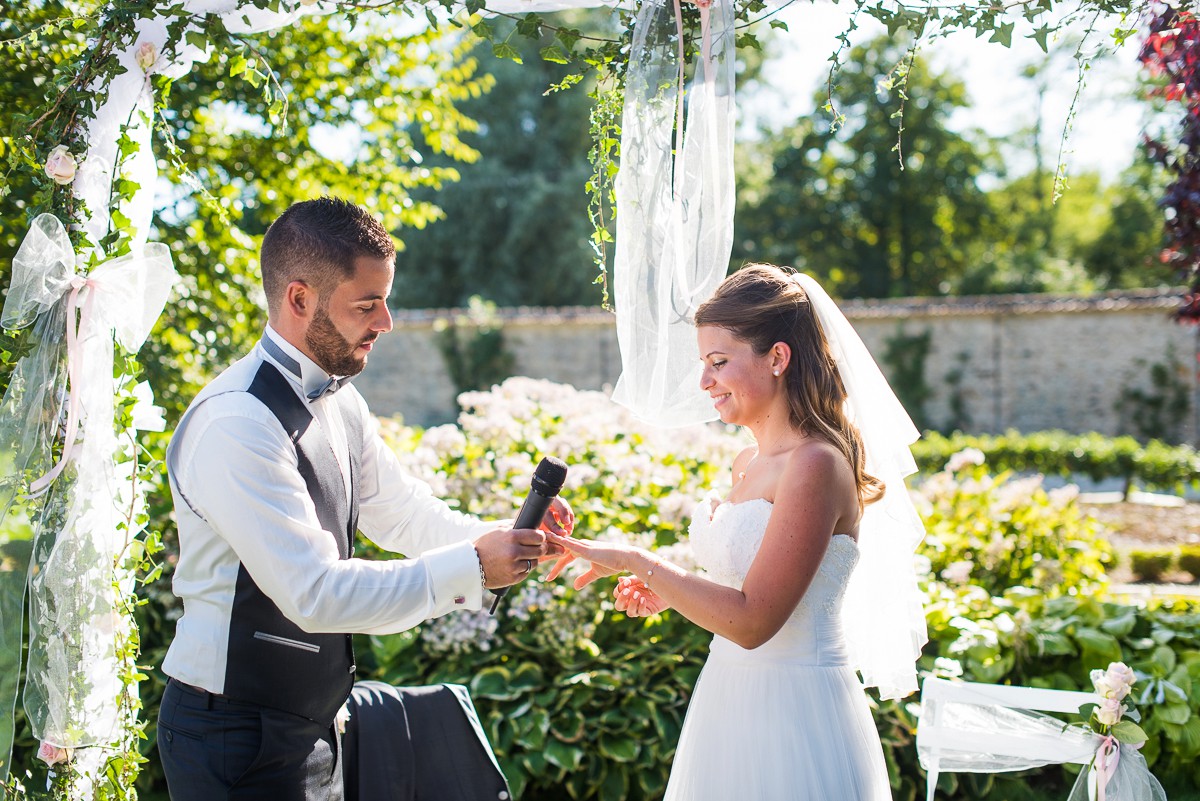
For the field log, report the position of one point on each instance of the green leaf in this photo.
(618, 748)
(493, 682)
(779, 24)
(530, 26)
(507, 51)
(1126, 731)
(1098, 647)
(1040, 36)
(568, 37)
(1172, 713)
(554, 54)
(529, 676)
(568, 757)
(483, 29)
(1003, 34)
(615, 786)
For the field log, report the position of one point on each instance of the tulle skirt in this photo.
(769, 730)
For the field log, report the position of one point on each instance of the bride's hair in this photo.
(761, 304)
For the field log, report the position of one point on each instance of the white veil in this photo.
(883, 614)
(674, 238)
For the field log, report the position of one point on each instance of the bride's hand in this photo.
(635, 599)
(607, 558)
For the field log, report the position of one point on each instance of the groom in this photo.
(273, 468)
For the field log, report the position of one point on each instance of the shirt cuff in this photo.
(454, 578)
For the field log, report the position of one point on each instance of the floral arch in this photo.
(89, 286)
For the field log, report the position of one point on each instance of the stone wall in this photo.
(1028, 362)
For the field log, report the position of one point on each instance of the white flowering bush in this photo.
(1000, 531)
(580, 702)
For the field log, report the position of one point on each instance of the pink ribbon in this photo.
(1104, 771)
(73, 395)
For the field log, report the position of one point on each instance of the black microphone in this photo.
(547, 480)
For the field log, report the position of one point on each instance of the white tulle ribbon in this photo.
(674, 225)
(73, 680)
(883, 613)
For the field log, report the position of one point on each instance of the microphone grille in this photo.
(552, 472)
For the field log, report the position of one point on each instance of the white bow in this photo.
(73, 683)
(120, 299)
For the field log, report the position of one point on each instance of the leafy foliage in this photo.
(1149, 565)
(845, 206)
(516, 226)
(997, 531)
(1155, 465)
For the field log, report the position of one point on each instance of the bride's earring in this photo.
(775, 373)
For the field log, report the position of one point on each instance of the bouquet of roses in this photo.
(1111, 717)
(1117, 772)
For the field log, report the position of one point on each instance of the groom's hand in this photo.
(509, 555)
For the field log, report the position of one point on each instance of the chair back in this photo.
(988, 728)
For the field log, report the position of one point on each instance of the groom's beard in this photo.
(332, 351)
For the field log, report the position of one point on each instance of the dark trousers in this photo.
(214, 749)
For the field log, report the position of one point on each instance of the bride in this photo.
(778, 711)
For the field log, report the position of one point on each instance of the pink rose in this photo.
(52, 755)
(60, 165)
(146, 55)
(1110, 711)
(1121, 673)
(1116, 682)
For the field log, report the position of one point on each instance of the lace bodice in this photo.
(725, 542)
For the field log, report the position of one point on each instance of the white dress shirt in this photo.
(240, 500)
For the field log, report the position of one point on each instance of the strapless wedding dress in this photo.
(787, 721)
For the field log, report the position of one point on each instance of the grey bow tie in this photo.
(333, 384)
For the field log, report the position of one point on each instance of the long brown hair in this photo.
(761, 304)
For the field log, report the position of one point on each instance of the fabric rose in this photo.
(146, 416)
(1119, 672)
(146, 55)
(53, 755)
(1110, 711)
(1116, 682)
(967, 457)
(60, 165)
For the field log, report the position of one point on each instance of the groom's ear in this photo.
(299, 300)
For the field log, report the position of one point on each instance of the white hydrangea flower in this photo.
(967, 457)
(460, 633)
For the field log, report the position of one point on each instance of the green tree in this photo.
(516, 226)
(846, 205)
(388, 96)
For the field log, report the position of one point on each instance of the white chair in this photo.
(989, 728)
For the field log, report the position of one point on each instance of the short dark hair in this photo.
(318, 241)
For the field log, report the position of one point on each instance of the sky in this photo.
(1104, 135)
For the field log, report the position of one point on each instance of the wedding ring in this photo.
(528, 565)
